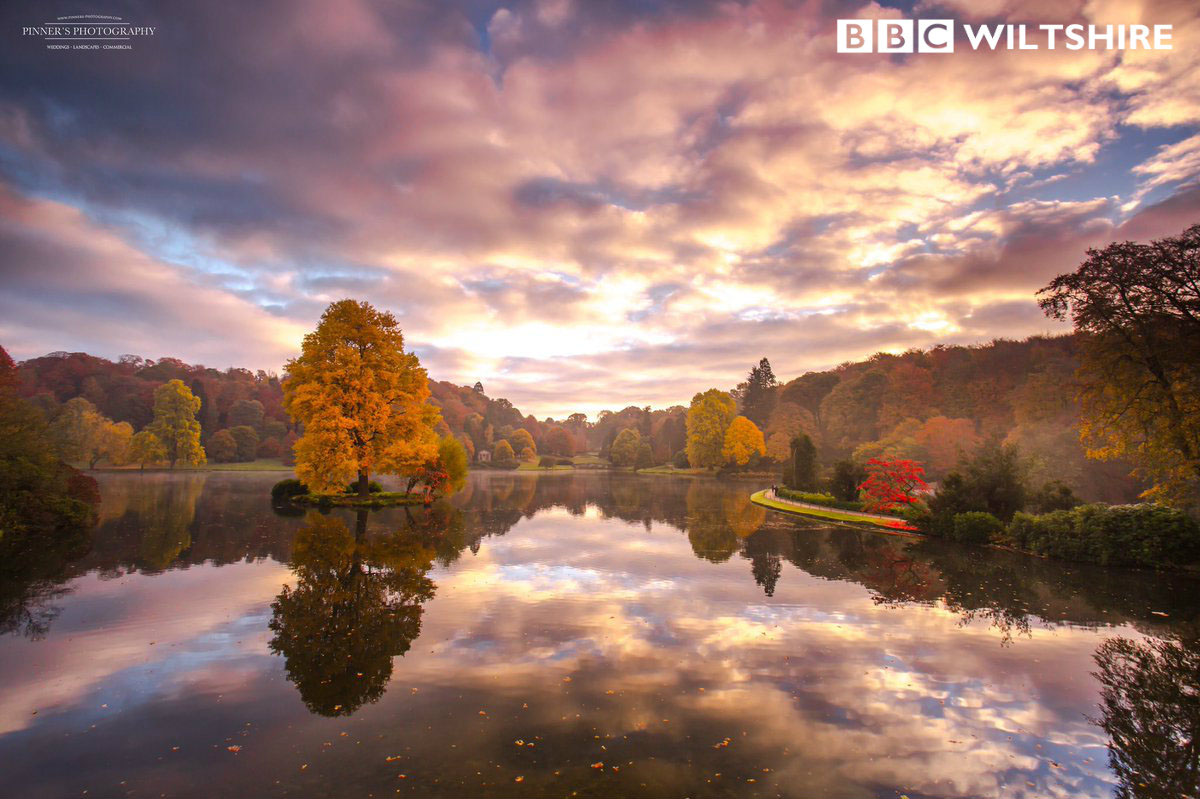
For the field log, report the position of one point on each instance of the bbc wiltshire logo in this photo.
(938, 36)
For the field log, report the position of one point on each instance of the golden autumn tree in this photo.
(742, 440)
(175, 424)
(708, 418)
(361, 400)
(145, 448)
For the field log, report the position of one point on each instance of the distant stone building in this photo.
(483, 456)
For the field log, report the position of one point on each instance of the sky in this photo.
(584, 204)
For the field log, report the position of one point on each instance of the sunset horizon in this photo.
(581, 206)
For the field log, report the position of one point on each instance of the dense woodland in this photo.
(932, 406)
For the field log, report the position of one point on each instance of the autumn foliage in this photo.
(743, 439)
(362, 400)
(892, 484)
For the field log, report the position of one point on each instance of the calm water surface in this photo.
(575, 635)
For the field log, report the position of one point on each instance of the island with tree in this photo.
(361, 404)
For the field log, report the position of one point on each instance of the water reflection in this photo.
(1151, 712)
(665, 627)
(34, 568)
(357, 604)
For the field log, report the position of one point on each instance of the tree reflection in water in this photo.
(33, 572)
(1151, 712)
(356, 605)
(708, 530)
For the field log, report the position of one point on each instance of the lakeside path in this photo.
(885, 524)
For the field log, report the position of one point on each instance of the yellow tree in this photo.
(452, 457)
(361, 400)
(77, 430)
(146, 448)
(521, 439)
(113, 443)
(708, 418)
(175, 424)
(742, 439)
(504, 452)
(625, 447)
(84, 434)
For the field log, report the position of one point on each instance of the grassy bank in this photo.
(898, 526)
(382, 499)
(671, 470)
(261, 465)
(590, 460)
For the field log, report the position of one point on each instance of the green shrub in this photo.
(1020, 531)
(246, 440)
(975, 527)
(1121, 535)
(917, 514)
(825, 500)
(286, 489)
(1052, 496)
(372, 488)
(505, 463)
(680, 460)
(221, 448)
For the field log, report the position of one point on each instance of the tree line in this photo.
(1109, 410)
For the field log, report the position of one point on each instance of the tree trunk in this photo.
(364, 484)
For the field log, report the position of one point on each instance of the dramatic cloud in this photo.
(584, 205)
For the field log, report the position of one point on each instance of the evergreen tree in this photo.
(803, 464)
(758, 394)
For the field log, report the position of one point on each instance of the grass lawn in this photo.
(380, 500)
(760, 498)
(589, 459)
(672, 470)
(261, 465)
(533, 467)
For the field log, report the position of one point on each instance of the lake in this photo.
(574, 634)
